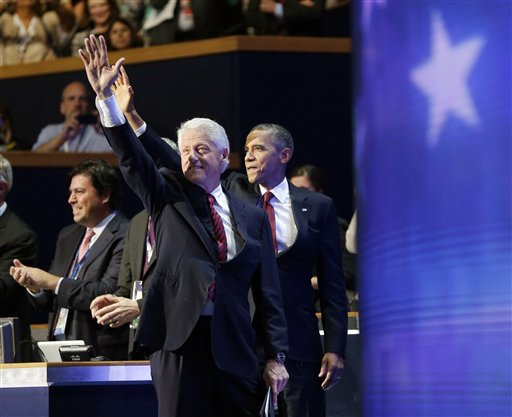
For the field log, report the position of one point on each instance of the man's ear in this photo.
(106, 197)
(286, 155)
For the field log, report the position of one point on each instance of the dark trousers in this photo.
(189, 384)
(303, 395)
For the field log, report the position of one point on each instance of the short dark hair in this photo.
(311, 172)
(104, 178)
(281, 137)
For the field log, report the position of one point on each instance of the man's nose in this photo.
(248, 156)
(192, 157)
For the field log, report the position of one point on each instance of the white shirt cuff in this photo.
(58, 285)
(110, 113)
(141, 130)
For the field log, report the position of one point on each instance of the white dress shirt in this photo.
(286, 229)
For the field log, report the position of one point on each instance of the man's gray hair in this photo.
(281, 137)
(211, 129)
(6, 172)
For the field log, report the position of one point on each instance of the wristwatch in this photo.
(280, 358)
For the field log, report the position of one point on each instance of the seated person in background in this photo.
(61, 25)
(23, 35)
(169, 21)
(76, 133)
(100, 14)
(86, 262)
(17, 240)
(312, 178)
(293, 17)
(8, 139)
(121, 35)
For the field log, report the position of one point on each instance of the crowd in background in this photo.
(40, 30)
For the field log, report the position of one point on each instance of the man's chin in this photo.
(252, 177)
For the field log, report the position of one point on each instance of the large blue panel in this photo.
(433, 103)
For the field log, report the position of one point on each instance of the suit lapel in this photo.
(71, 244)
(301, 209)
(186, 211)
(238, 214)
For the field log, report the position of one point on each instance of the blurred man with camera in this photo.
(79, 132)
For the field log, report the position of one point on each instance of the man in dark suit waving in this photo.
(212, 249)
(306, 237)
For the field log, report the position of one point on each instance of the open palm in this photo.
(100, 74)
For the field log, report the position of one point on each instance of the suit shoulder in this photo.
(312, 196)
(18, 227)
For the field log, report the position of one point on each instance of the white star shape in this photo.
(444, 76)
(368, 8)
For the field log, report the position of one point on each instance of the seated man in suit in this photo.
(17, 240)
(212, 249)
(86, 262)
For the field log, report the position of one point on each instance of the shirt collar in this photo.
(219, 195)
(98, 229)
(281, 191)
(3, 207)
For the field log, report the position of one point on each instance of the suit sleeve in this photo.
(138, 169)
(162, 154)
(24, 249)
(269, 315)
(331, 284)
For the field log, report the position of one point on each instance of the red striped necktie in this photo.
(218, 229)
(271, 215)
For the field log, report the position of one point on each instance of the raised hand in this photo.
(123, 92)
(100, 74)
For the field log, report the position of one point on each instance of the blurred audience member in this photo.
(100, 14)
(79, 132)
(133, 11)
(17, 241)
(8, 139)
(312, 178)
(60, 23)
(169, 21)
(24, 36)
(122, 35)
(292, 17)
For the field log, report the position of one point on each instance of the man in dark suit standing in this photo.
(137, 267)
(17, 240)
(307, 235)
(86, 262)
(212, 249)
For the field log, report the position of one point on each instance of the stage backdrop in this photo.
(433, 158)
